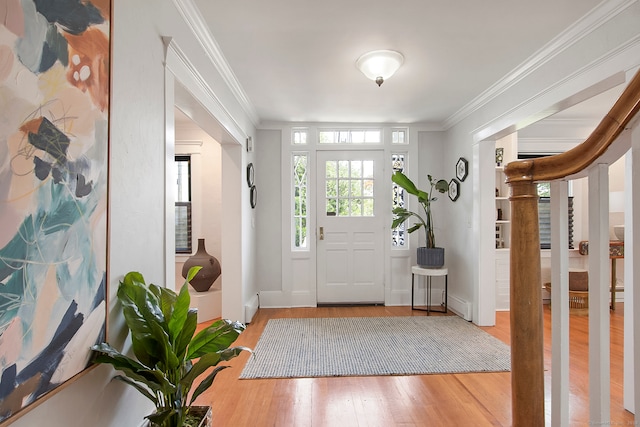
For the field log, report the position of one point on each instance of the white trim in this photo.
(178, 63)
(576, 32)
(597, 73)
(192, 144)
(460, 307)
(192, 16)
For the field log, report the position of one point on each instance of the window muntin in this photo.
(183, 204)
(300, 193)
(398, 199)
(299, 136)
(399, 136)
(350, 136)
(349, 188)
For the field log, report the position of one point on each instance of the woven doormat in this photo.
(361, 346)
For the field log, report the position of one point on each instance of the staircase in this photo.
(617, 134)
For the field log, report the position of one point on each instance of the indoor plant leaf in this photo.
(180, 310)
(152, 378)
(216, 337)
(185, 335)
(207, 382)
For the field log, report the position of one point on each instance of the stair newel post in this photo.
(527, 345)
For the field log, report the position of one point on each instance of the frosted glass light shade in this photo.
(379, 65)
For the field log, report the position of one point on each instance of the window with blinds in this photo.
(544, 209)
(544, 221)
(183, 204)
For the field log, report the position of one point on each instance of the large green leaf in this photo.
(167, 355)
(145, 346)
(142, 389)
(414, 227)
(180, 310)
(140, 309)
(442, 186)
(166, 299)
(152, 378)
(205, 362)
(214, 338)
(206, 383)
(186, 334)
(403, 181)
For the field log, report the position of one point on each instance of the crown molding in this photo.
(200, 30)
(580, 29)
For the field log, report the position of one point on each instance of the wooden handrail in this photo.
(527, 351)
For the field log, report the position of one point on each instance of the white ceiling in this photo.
(295, 60)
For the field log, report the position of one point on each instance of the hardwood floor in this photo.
(433, 400)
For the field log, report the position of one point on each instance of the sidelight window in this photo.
(300, 181)
(398, 200)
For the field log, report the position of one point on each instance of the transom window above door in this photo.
(349, 188)
(351, 136)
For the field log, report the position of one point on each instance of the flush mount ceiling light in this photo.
(379, 65)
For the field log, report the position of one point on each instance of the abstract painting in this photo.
(54, 121)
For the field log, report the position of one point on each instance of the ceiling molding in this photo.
(200, 30)
(589, 23)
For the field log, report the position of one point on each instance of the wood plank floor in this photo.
(421, 400)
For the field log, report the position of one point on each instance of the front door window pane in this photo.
(351, 194)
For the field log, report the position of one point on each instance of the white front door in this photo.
(350, 250)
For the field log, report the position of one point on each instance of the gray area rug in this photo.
(360, 346)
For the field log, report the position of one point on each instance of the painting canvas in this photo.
(54, 105)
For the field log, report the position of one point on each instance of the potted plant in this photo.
(165, 368)
(429, 255)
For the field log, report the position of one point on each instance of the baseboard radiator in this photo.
(251, 308)
(459, 306)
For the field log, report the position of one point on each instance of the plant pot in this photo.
(430, 257)
(201, 417)
(204, 412)
(210, 268)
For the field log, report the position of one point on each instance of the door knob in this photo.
(321, 233)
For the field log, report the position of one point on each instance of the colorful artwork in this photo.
(54, 105)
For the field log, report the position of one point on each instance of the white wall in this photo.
(137, 237)
(269, 210)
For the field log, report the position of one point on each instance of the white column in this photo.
(559, 304)
(170, 179)
(631, 271)
(599, 347)
(484, 208)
